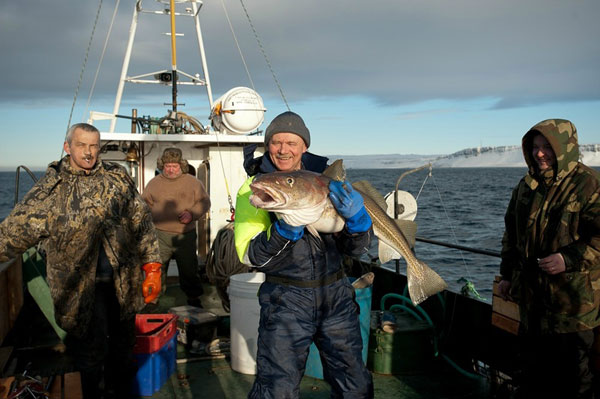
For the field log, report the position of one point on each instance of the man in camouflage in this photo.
(551, 262)
(97, 233)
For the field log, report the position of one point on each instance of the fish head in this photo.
(301, 193)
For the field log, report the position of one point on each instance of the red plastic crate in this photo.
(153, 331)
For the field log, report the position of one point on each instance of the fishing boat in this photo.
(444, 347)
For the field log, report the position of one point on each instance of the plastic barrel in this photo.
(244, 317)
(314, 368)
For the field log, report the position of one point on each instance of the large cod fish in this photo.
(302, 198)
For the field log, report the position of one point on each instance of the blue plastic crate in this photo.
(154, 368)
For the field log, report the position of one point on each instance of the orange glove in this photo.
(151, 285)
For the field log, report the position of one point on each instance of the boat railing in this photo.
(5, 265)
(398, 211)
(460, 247)
(18, 178)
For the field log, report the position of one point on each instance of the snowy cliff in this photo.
(478, 157)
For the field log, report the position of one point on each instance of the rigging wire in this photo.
(265, 56)
(451, 226)
(112, 21)
(237, 44)
(423, 184)
(229, 199)
(87, 52)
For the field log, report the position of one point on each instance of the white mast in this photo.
(193, 80)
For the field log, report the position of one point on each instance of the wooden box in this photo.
(505, 313)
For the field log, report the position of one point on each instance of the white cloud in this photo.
(395, 52)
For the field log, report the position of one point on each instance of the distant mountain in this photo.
(478, 157)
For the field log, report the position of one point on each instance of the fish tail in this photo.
(423, 281)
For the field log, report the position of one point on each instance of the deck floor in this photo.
(215, 379)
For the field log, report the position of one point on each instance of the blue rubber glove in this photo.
(292, 233)
(350, 205)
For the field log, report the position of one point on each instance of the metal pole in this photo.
(195, 10)
(134, 120)
(173, 59)
(461, 247)
(396, 214)
(132, 30)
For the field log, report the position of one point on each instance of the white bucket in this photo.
(244, 316)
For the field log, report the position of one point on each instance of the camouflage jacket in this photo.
(555, 212)
(73, 213)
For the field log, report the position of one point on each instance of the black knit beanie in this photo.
(288, 122)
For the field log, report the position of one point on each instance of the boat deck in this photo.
(214, 378)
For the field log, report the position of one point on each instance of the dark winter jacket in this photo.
(73, 214)
(310, 257)
(555, 213)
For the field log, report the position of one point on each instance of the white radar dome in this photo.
(239, 111)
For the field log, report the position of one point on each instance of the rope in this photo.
(87, 52)
(237, 44)
(112, 21)
(265, 56)
(222, 262)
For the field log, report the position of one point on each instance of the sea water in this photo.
(460, 206)
(463, 206)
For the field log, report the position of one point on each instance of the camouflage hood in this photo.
(562, 136)
(555, 211)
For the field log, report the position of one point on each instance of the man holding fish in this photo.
(306, 296)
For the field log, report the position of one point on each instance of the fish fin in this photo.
(364, 281)
(366, 188)
(408, 229)
(387, 253)
(423, 282)
(336, 171)
(313, 231)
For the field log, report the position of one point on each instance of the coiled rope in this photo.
(222, 262)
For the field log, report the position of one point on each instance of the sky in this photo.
(368, 77)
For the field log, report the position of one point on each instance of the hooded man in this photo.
(176, 200)
(306, 296)
(551, 262)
